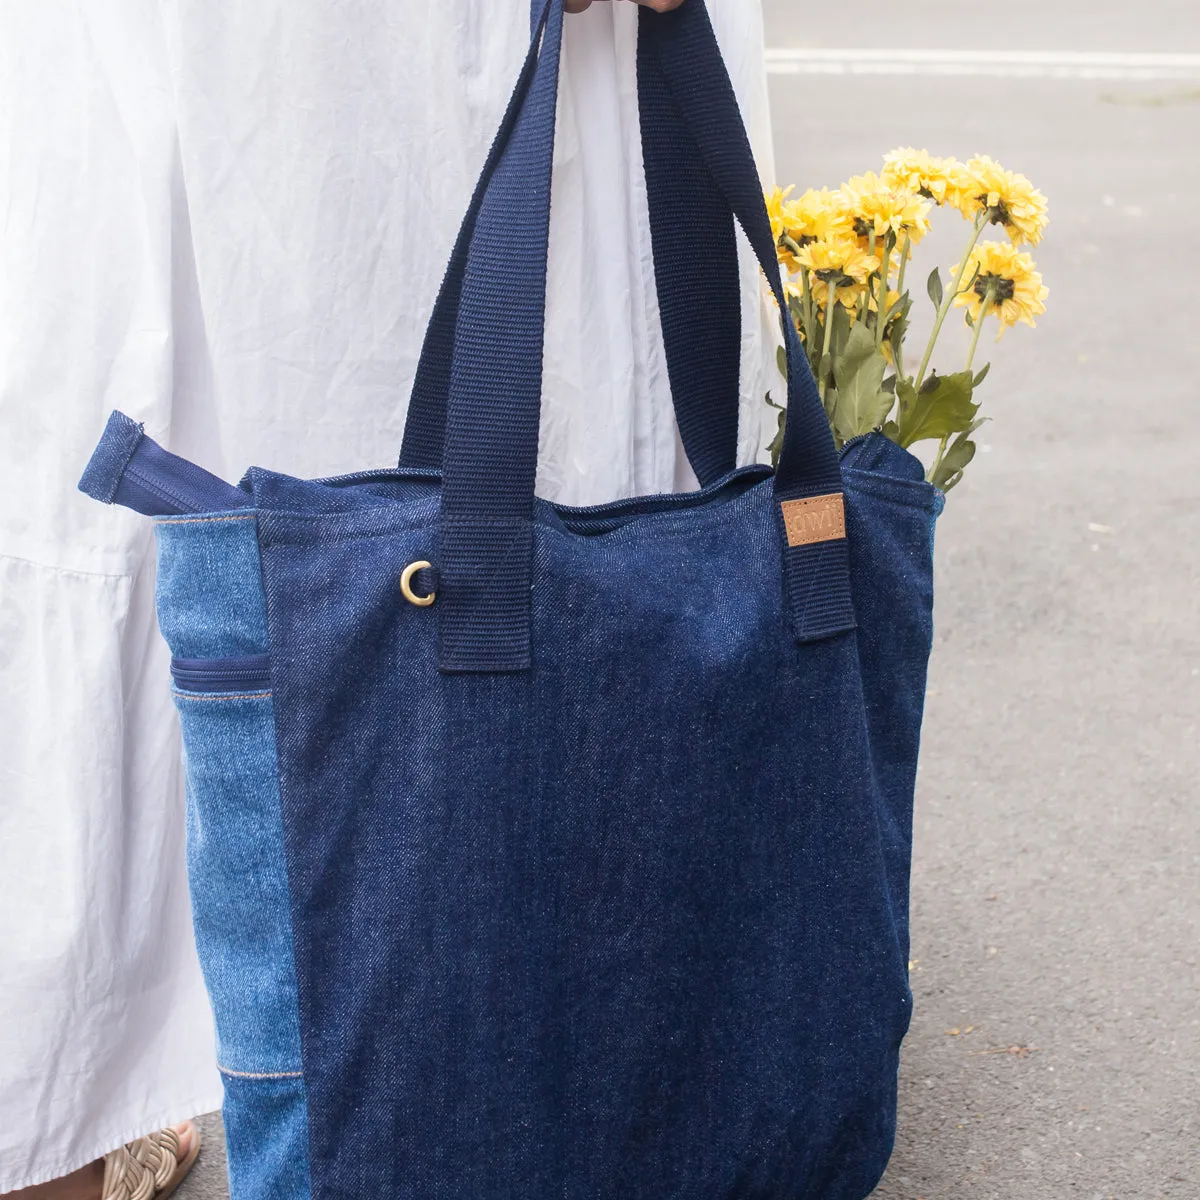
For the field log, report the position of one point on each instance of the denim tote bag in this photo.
(542, 852)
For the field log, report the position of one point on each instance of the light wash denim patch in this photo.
(266, 1138)
(212, 612)
(239, 879)
(210, 594)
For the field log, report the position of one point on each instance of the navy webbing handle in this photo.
(697, 276)
(425, 423)
(698, 283)
(682, 47)
(489, 463)
(494, 395)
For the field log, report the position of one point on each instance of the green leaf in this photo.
(831, 401)
(889, 385)
(862, 403)
(841, 331)
(934, 287)
(775, 449)
(983, 374)
(943, 407)
(897, 322)
(781, 361)
(956, 460)
(891, 431)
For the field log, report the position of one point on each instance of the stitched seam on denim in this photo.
(677, 521)
(676, 525)
(673, 501)
(867, 478)
(389, 473)
(155, 485)
(389, 526)
(221, 696)
(292, 935)
(680, 525)
(200, 520)
(692, 507)
(908, 493)
(260, 1074)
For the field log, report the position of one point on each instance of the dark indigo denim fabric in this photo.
(633, 924)
(211, 609)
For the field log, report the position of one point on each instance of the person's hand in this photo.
(575, 6)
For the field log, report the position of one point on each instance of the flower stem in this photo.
(985, 308)
(937, 462)
(882, 315)
(830, 309)
(898, 347)
(810, 339)
(864, 301)
(905, 251)
(950, 296)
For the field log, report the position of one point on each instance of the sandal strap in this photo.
(141, 1168)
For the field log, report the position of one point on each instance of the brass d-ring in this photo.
(406, 585)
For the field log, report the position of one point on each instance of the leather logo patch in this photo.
(814, 519)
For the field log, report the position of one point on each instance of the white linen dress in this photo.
(229, 219)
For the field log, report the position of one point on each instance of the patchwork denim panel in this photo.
(210, 593)
(266, 1137)
(213, 615)
(238, 878)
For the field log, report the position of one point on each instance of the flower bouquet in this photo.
(846, 257)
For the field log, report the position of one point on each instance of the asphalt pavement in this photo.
(1055, 1048)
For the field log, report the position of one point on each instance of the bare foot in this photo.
(87, 1183)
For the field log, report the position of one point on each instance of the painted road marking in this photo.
(1002, 64)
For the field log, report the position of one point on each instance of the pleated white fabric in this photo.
(229, 219)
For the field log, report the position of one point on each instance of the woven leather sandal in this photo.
(149, 1168)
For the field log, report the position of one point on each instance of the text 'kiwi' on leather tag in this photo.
(814, 519)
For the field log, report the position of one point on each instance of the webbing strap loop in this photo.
(494, 393)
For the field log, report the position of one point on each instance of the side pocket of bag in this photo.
(890, 516)
(238, 879)
(212, 612)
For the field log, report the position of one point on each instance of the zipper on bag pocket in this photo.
(251, 673)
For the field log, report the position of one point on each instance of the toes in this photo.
(186, 1132)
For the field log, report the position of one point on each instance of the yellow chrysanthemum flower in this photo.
(942, 180)
(1006, 279)
(782, 214)
(877, 206)
(818, 214)
(795, 223)
(775, 205)
(841, 264)
(1010, 199)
